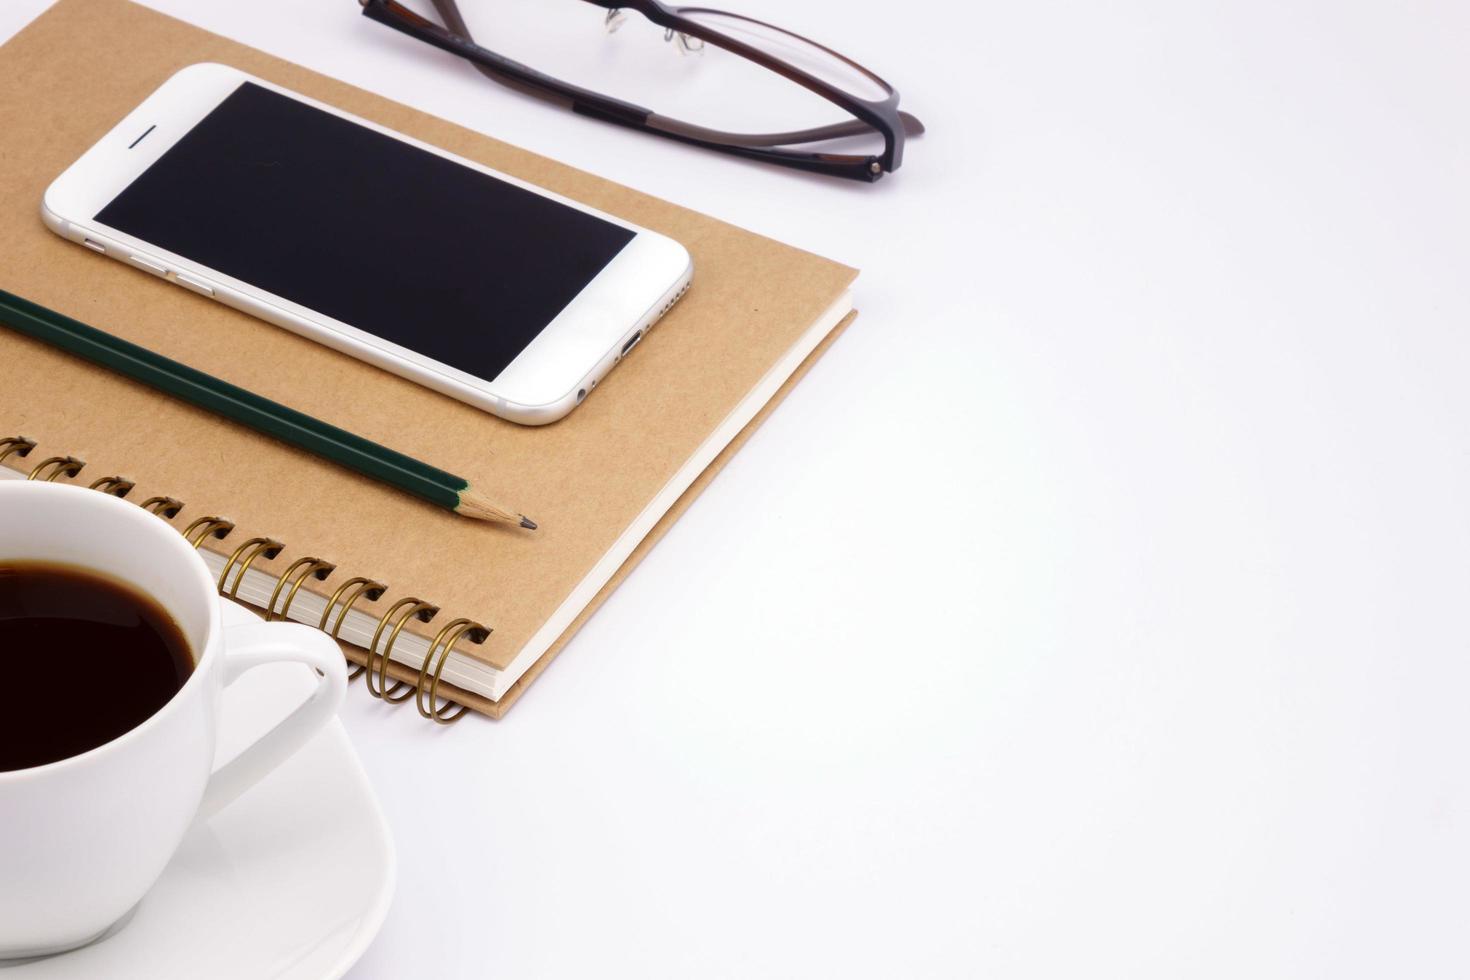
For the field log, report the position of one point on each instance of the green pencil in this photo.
(249, 409)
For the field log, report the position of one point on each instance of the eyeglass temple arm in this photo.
(455, 22)
(819, 134)
(502, 70)
(523, 79)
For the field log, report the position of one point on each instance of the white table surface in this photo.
(1162, 351)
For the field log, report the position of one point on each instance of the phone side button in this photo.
(147, 264)
(189, 282)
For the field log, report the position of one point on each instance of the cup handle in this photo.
(252, 645)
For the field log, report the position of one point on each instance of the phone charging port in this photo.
(632, 342)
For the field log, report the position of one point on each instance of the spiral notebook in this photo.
(417, 591)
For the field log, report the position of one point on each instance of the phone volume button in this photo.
(148, 265)
(189, 282)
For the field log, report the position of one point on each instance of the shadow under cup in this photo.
(83, 838)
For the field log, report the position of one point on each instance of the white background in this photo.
(1096, 607)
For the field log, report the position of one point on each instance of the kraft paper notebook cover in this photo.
(604, 484)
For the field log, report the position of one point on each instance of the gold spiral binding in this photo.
(435, 710)
(60, 466)
(115, 485)
(166, 507)
(365, 587)
(261, 546)
(401, 690)
(205, 526)
(16, 446)
(309, 567)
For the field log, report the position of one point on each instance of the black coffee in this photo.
(83, 659)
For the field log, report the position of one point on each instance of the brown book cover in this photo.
(75, 72)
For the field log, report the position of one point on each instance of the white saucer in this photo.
(290, 882)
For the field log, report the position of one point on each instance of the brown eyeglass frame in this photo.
(882, 117)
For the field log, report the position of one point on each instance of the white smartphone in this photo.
(426, 264)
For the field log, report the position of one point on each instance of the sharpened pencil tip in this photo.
(527, 523)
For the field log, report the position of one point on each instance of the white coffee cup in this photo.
(82, 839)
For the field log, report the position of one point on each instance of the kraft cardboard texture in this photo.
(73, 73)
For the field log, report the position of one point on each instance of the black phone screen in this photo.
(369, 230)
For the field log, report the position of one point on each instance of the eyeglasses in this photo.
(722, 81)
